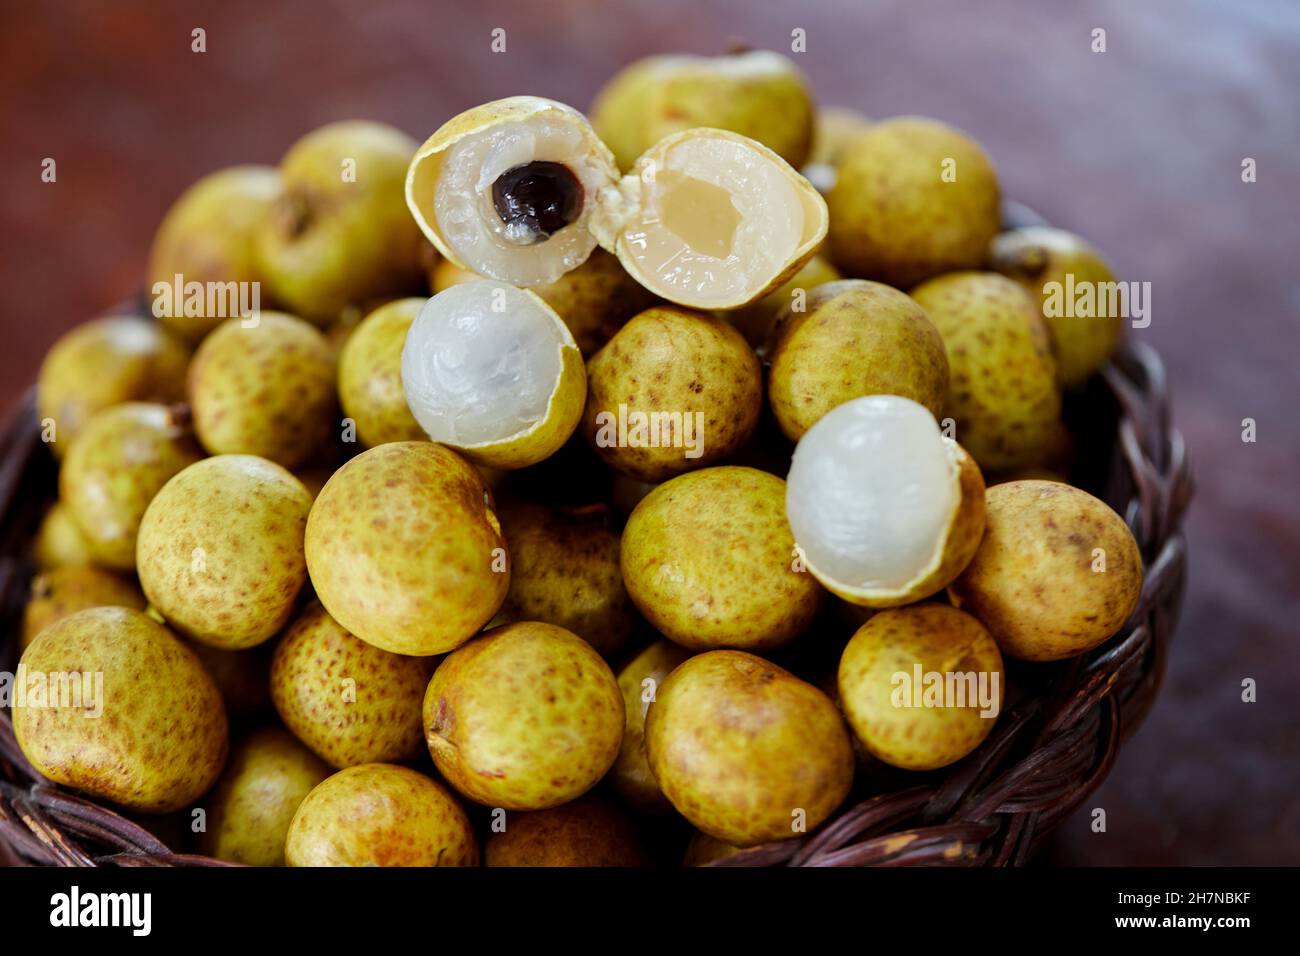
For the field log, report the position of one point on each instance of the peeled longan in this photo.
(1057, 573)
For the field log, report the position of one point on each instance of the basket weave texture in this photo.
(1049, 751)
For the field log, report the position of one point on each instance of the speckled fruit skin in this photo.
(267, 390)
(370, 375)
(62, 591)
(526, 717)
(1032, 582)
(739, 745)
(380, 814)
(331, 241)
(939, 639)
(405, 550)
(1036, 256)
(895, 219)
(1002, 388)
(115, 467)
(266, 779)
(853, 338)
(674, 360)
(589, 831)
(708, 558)
(758, 94)
(160, 741)
(59, 543)
(208, 236)
(631, 774)
(107, 362)
(565, 571)
(347, 700)
(220, 550)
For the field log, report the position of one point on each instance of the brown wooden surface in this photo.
(1138, 148)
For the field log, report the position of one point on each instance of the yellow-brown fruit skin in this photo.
(1002, 388)
(853, 338)
(673, 360)
(1036, 256)
(107, 362)
(631, 774)
(565, 571)
(208, 235)
(405, 551)
(380, 815)
(739, 745)
(220, 550)
(266, 779)
(267, 390)
(243, 677)
(123, 456)
(708, 558)
(63, 591)
(704, 850)
(895, 219)
(657, 96)
(348, 701)
(939, 639)
(589, 831)
(59, 543)
(161, 739)
(526, 717)
(329, 242)
(370, 375)
(1032, 582)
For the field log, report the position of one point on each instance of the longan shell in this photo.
(116, 465)
(893, 218)
(405, 551)
(265, 781)
(347, 700)
(380, 815)
(941, 640)
(708, 558)
(370, 375)
(1032, 581)
(161, 738)
(268, 390)
(106, 362)
(59, 542)
(1002, 388)
(220, 550)
(853, 338)
(675, 360)
(589, 831)
(740, 745)
(526, 717)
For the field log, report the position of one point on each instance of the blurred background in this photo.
(1138, 148)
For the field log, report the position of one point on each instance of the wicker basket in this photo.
(1049, 751)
